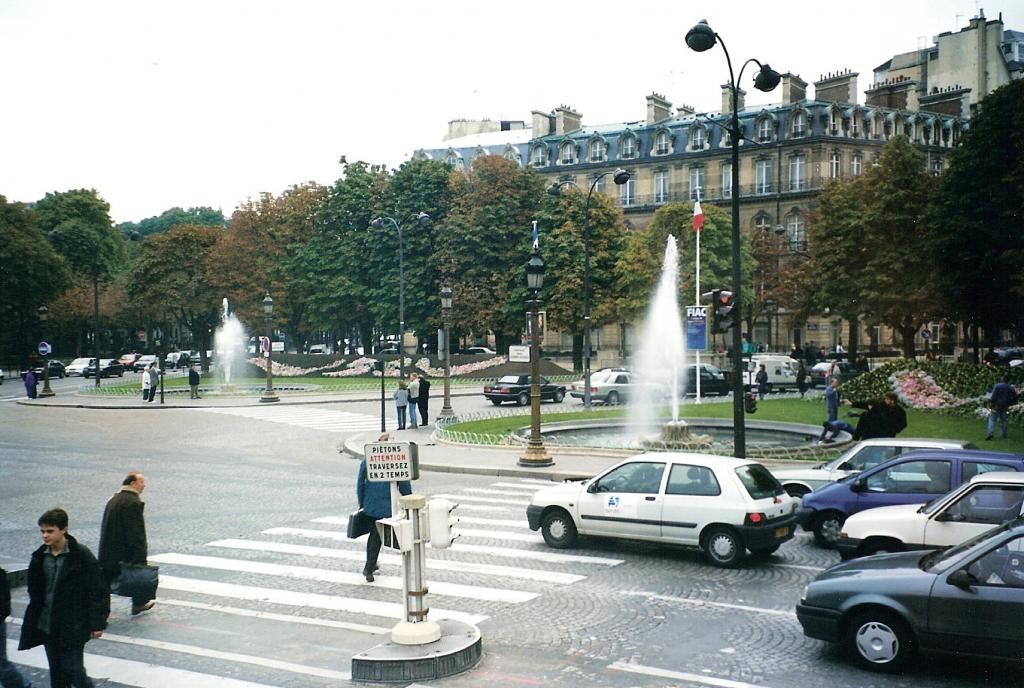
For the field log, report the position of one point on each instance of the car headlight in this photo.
(803, 595)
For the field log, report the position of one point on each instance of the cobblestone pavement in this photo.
(259, 586)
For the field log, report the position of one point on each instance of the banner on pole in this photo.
(697, 328)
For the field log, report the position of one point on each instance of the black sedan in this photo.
(109, 367)
(517, 388)
(56, 370)
(968, 599)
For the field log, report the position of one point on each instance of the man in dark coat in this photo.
(375, 500)
(193, 381)
(68, 602)
(895, 416)
(872, 422)
(123, 534)
(423, 400)
(10, 677)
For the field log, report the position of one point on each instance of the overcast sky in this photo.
(183, 103)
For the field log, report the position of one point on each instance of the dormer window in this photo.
(764, 130)
(596, 150)
(629, 146)
(661, 143)
(540, 156)
(799, 124)
(697, 139)
(566, 152)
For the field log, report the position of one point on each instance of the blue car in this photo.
(910, 478)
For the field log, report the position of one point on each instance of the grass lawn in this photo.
(811, 411)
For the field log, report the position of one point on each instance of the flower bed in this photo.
(365, 365)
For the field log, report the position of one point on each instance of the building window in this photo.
(596, 151)
(763, 176)
(697, 141)
(856, 164)
(627, 193)
(833, 123)
(726, 180)
(540, 156)
(936, 165)
(799, 124)
(567, 153)
(452, 161)
(696, 182)
(764, 130)
(660, 187)
(598, 184)
(834, 162)
(797, 173)
(661, 143)
(511, 154)
(629, 147)
(797, 233)
(763, 225)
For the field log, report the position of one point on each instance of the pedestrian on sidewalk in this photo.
(803, 380)
(424, 398)
(1003, 396)
(832, 399)
(69, 602)
(375, 501)
(30, 385)
(154, 380)
(401, 396)
(147, 382)
(193, 381)
(10, 677)
(414, 398)
(761, 378)
(123, 534)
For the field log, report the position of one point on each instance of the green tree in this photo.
(981, 205)
(200, 217)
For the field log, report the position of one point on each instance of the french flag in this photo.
(698, 216)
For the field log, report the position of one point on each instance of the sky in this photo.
(158, 104)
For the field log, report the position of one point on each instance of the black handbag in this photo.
(359, 523)
(136, 580)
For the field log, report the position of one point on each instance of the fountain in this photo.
(229, 342)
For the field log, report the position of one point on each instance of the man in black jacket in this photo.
(68, 601)
(193, 381)
(10, 677)
(123, 534)
(423, 400)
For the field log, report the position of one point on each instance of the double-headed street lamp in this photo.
(44, 312)
(446, 311)
(536, 454)
(621, 176)
(700, 38)
(268, 395)
(378, 222)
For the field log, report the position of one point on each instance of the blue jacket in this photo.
(831, 402)
(375, 498)
(1003, 396)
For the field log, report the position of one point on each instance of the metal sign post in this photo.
(697, 335)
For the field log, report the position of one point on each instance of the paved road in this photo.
(245, 510)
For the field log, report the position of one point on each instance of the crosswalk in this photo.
(303, 416)
(289, 606)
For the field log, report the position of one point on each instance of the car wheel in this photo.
(827, 527)
(558, 529)
(496, 402)
(880, 546)
(724, 547)
(797, 491)
(613, 398)
(524, 399)
(559, 395)
(121, 374)
(879, 640)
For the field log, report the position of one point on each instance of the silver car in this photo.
(614, 386)
(859, 457)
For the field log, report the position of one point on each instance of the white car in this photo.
(859, 457)
(479, 351)
(781, 370)
(77, 367)
(984, 502)
(721, 504)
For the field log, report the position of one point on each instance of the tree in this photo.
(981, 203)
(200, 217)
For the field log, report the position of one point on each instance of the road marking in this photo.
(816, 569)
(132, 673)
(304, 599)
(539, 555)
(485, 500)
(329, 420)
(500, 493)
(680, 676)
(709, 603)
(470, 592)
(521, 523)
(479, 507)
(519, 486)
(271, 616)
(396, 560)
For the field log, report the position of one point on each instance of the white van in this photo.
(781, 371)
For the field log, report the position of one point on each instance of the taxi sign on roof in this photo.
(390, 461)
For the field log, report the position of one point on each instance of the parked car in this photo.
(57, 370)
(723, 505)
(1, 376)
(613, 386)
(517, 388)
(319, 349)
(480, 351)
(910, 478)
(966, 600)
(988, 499)
(143, 362)
(712, 381)
(177, 359)
(858, 457)
(77, 367)
(781, 371)
(108, 368)
(1007, 355)
(819, 371)
(128, 360)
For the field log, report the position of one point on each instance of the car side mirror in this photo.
(947, 516)
(859, 485)
(961, 578)
(592, 487)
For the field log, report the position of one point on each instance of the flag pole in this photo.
(697, 301)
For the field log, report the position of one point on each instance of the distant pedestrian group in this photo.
(412, 400)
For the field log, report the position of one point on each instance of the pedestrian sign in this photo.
(697, 328)
(44, 349)
(391, 461)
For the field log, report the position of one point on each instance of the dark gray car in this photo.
(968, 600)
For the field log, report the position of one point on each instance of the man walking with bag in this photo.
(123, 535)
(375, 500)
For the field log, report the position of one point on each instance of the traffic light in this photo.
(725, 310)
(441, 523)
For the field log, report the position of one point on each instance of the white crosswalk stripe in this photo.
(304, 416)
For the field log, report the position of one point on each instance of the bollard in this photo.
(415, 629)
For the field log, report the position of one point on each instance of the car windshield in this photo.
(942, 559)
(509, 380)
(759, 482)
(81, 361)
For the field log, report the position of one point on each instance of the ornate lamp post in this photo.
(621, 176)
(446, 311)
(44, 312)
(700, 38)
(378, 222)
(268, 395)
(536, 454)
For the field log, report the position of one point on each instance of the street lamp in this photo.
(446, 311)
(700, 38)
(268, 395)
(620, 176)
(44, 312)
(378, 222)
(535, 454)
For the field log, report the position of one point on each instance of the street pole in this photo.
(268, 395)
(446, 310)
(47, 392)
(96, 322)
(383, 422)
(535, 455)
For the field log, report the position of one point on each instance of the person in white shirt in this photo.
(147, 382)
